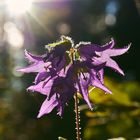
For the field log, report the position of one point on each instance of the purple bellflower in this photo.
(66, 69)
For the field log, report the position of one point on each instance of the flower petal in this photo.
(101, 75)
(31, 57)
(109, 45)
(48, 106)
(36, 67)
(83, 89)
(112, 64)
(117, 52)
(96, 83)
(41, 76)
(45, 90)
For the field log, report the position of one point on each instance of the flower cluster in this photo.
(66, 69)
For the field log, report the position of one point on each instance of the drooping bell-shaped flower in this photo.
(106, 56)
(66, 69)
(61, 92)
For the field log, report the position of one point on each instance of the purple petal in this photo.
(59, 63)
(83, 89)
(96, 83)
(48, 106)
(105, 56)
(117, 52)
(98, 66)
(84, 93)
(41, 76)
(109, 45)
(36, 67)
(49, 73)
(31, 57)
(41, 88)
(112, 64)
(101, 75)
(90, 48)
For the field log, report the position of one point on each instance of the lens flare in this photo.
(14, 35)
(18, 7)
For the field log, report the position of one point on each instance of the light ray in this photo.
(41, 24)
(18, 7)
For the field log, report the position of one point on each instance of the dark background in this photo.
(116, 115)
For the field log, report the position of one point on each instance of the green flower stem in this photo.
(77, 117)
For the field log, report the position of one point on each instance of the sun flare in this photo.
(18, 7)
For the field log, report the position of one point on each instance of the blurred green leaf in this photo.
(117, 114)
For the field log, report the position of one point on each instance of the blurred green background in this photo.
(33, 24)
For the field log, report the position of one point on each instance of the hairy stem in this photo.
(77, 118)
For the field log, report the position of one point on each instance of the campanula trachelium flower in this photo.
(66, 69)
